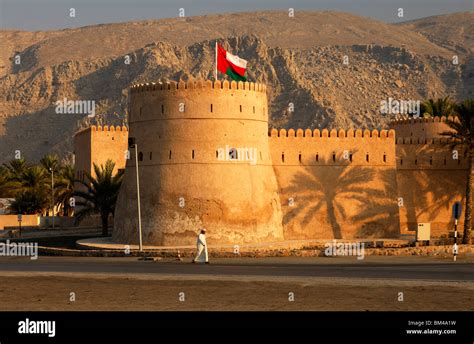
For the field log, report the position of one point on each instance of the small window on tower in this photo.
(140, 156)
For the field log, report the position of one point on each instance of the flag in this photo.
(229, 64)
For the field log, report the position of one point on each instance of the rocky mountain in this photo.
(335, 68)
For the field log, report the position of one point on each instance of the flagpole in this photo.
(216, 62)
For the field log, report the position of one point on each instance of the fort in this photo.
(96, 144)
(301, 184)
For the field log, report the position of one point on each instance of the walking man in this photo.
(201, 256)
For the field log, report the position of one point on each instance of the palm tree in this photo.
(34, 188)
(462, 134)
(15, 168)
(439, 107)
(29, 202)
(100, 195)
(64, 188)
(31, 196)
(34, 178)
(50, 162)
(8, 187)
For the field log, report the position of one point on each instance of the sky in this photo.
(37, 15)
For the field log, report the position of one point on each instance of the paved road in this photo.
(375, 267)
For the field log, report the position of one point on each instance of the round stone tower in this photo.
(420, 128)
(204, 161)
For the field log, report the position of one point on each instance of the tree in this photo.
(8, 187)
(50, 162)
(33, 190)
(439, 107)
(100, 195)
(21, 180)
(29, 202)
(64, 188)
(15, 168)
(34, 178)
(462, 134)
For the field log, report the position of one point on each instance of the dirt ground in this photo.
(162, 294)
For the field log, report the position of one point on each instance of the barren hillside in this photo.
(300, 58)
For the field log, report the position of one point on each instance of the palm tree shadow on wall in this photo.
(381, 212)
(425, 185)
(421, 187)
(332, 186)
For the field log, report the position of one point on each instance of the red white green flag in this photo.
(229, 64)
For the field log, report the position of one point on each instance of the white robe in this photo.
(201, 256)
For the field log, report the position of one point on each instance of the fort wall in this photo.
(430, 179)
(336, 184)
(420, 128)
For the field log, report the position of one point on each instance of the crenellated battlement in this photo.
(332, 147)
(421, 128)
(422, 141)
(102, 128)
(409, 120)
(198, 84)
(108, 128)
(202, 106)
(333, 133)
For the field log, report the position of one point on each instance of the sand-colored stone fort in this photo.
(207, 159)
